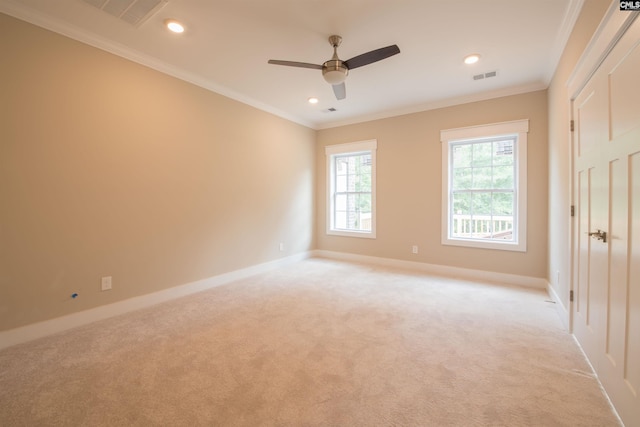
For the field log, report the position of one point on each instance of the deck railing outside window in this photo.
(482, 227)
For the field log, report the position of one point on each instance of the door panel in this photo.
(581, 290)
(617, 283)
(591, 121)
(625, 93)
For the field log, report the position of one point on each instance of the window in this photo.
(484, 172)
(351, 189)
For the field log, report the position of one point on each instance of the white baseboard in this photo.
(563, 313)
(441, 270)
(48, 327)
(41, 329)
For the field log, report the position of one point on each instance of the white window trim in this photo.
(517, 127)
(351, 147)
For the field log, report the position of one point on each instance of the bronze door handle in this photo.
(600, 235)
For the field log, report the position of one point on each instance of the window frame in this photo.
(448, 137)
(351, 148)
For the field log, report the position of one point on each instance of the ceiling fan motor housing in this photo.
(334, 71)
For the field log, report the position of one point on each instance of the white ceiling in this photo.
(227, 43)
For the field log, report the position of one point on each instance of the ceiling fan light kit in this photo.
(335, 70)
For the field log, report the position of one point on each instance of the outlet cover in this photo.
(106, 283)
(414, 249)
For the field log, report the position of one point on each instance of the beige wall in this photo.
(560, 149)
(110, 168)
(409, 186)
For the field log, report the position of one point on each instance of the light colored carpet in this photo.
(318, 343)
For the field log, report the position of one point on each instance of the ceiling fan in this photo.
(335, 70)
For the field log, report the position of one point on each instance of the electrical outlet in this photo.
(106, 283)
(414, 249)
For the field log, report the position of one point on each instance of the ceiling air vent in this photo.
(485, 75)
(133, 12)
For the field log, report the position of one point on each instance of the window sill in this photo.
(502, 246)
(346, 233)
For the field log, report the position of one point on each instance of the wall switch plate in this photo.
(281, 247)
(414, 249)
(106, 283)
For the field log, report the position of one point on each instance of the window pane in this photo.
(341, 166)
(365, 222)
(481, 204)
(503, 152)
(461, 203)
(351, 182)
(503, 177)
(503, 216)
(363, 183)
(481, 215)
(341, 202)
(482, 154)
(364, 203)
(462, 155)
(503, 204)
(351, 202)
(351, 168)
(341, 220)
(363, 212)
(482, 178)
(341, 183)
(462, 178)
(363, 180)
(461, 215)
(352, 223)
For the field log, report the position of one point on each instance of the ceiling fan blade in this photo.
(295, 64)
(371, 57)
(340, 91)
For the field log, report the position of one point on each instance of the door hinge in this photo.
(572, 125)
(573, 210)
(570, 296)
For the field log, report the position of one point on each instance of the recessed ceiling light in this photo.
(174, 26)
(313, 100)
(472, 59)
